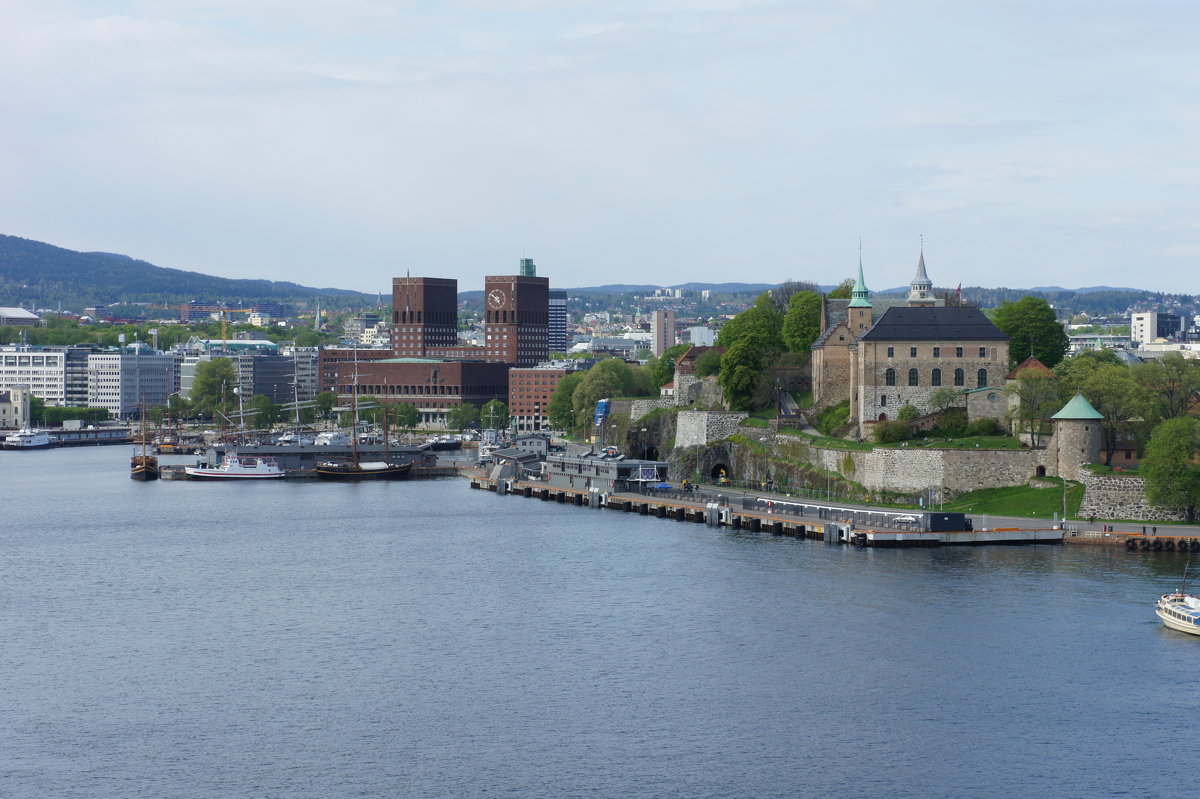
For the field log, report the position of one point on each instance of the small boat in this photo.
(28, 439)
(237, 467)
(1179, 611)
(362, 470)
(144, 467)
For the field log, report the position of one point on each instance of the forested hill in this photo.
(33, 274)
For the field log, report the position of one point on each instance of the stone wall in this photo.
(1112, 497)
(640, 407)
(696, 428)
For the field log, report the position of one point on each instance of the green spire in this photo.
(1078, 409)
(858, 297)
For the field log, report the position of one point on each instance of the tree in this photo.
(760, 319)
(267, 412)
(404, 415)
(1039, 396)
(1170, 382)
(802, 324)
(844, 290)
(463, 417)
(37, 411)
(1172, 479)
(744, 373)
(561, 409)
(1112, 391)
(494, 415)
(708, 364)
(662, 369)
(213, 387)
(326, 402)
(945, 397)
(1032, 329)
(782, 294)
(605, 379)
(907, 413)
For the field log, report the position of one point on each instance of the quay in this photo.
(815, 521)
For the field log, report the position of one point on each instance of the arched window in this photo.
(982, 377)
(912, 377)
(889, 377)
(959, 377)
(936, 378)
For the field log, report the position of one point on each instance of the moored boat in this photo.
(237, 467)
(28, 439)
(144, 467)
(362, 470)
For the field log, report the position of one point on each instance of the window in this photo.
(937, 352)
(982, 378)
(935, 379)
(959, 377)
(891, 352)
(958, 352)
(983, 352)
(889, 377)
(883, 401)
(912, 352)
(913, 377)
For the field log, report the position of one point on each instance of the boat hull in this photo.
(210, 474)
(350, 473)
(144, 469)
(1181, 614)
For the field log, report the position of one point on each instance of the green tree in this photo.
(326, 402)
(267, 413)
(745, 376)
(802, 324)
(464, 416)
(1038, 396)
(1032, 328)
(1172, 478)
(1170, 382)
(907, 413)
(1112, 391)
(494, 415)
(708, 364)
(609, 378)
(212, 387)
(404, 415)
(561, 409)
(760, 319)
(662, 369)
(844, 290)
(37, 411)
(889, 432)
(946, 397)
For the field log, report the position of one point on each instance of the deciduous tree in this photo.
(1172, 479)
(1032, 328)
(802, 324)
(213, 384)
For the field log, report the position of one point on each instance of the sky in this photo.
(340, 143)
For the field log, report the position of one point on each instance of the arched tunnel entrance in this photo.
(648, 454)
(720, 473)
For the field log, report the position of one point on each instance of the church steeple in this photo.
(858, 297)
(920, 292)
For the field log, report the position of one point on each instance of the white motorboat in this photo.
(1180, 611)
(237, 467)
(28, 439)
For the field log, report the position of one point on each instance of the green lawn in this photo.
(972, 442)
(1040, 503)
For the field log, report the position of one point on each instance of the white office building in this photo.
(123, 380)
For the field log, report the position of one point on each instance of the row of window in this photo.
(935, 377)
(937, 352)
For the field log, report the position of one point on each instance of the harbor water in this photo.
(421, 639)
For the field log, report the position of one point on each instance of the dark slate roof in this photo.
(934, 324)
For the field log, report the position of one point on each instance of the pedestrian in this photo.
(1143, 529)
(1155, 529)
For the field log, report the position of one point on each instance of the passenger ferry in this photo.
(1180, 611)
(237, 467)
(28, 439)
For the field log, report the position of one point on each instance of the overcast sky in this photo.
(344, 142)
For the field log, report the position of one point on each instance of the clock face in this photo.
(496, 298)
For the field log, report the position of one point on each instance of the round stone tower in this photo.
(1076, 437)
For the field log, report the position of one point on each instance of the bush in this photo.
(952, 425)
(890, 432)
(986, 426)
(833, 417)
(907, 413)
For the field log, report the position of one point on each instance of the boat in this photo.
(144, 467)
(28, 439)
(237, 467)
(355, 469)
(443, 444)
(1180, 610)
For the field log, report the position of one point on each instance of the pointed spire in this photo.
(858, 297)
(921, 290)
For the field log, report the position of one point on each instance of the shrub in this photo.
(986, 426)
(833, 417)
(890, 432)
(907, 413)
(952, 425)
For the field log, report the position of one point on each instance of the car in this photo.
(905, 518)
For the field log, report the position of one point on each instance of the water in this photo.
(421, 639)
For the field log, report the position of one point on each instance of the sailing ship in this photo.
(356, 469)
(144, 467)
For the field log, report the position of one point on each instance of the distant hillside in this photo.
(33, 274)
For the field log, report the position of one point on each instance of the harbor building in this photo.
(14, 407)
(124, 379)
(530, 390)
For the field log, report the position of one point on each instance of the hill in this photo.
(33, 274)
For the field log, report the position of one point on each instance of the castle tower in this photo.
(1076, 437)
(920, 292)
(859, 313)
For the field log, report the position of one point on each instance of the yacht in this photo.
(237, 467)
(28, 439)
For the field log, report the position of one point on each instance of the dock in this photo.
(814, 521)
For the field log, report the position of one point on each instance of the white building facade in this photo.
(124, 380)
